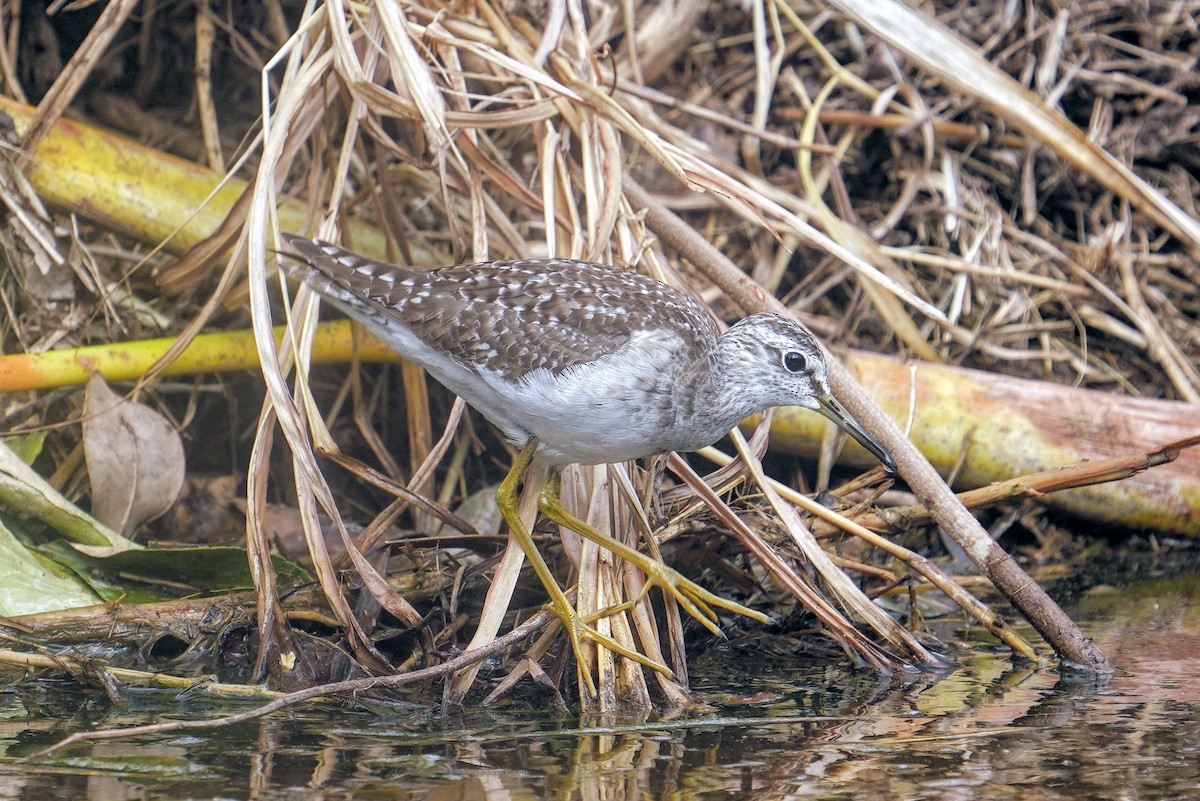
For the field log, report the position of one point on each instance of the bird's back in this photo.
(509, 318)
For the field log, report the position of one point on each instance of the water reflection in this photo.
(989, 729)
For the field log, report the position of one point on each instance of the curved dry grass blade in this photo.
(957, 63)
(758, 197)
(602, 104)
(310, 484)
(210, 129)
(782, 572)
(271, 619)
(635, 587)
(601, 590)
(414, 73)
(504, 582)
(850, 596)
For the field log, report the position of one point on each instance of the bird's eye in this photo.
(794, 361)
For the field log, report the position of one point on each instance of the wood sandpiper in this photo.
(581, 363)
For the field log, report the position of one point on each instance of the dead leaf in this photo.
(134, 458)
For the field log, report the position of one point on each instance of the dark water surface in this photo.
(987, 730)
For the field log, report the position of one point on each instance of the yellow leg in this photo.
(577, 629)
(695, 600)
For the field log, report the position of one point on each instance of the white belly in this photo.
(616, 408)
(609, 410)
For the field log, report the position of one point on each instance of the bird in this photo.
(577, 362)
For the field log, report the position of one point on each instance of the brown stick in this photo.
(349, 687)
(947, 511)
(1081, 474)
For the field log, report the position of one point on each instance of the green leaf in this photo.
(28, 586)
(27, 447)
(150, 574)
(25, 493)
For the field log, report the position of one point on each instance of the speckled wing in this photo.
(510, 317)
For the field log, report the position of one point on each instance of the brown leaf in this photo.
(134, 458)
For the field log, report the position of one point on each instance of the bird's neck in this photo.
(719, 400)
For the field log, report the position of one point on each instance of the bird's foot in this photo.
(578, 630)
(695, 600)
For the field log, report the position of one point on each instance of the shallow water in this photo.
(986, 730)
